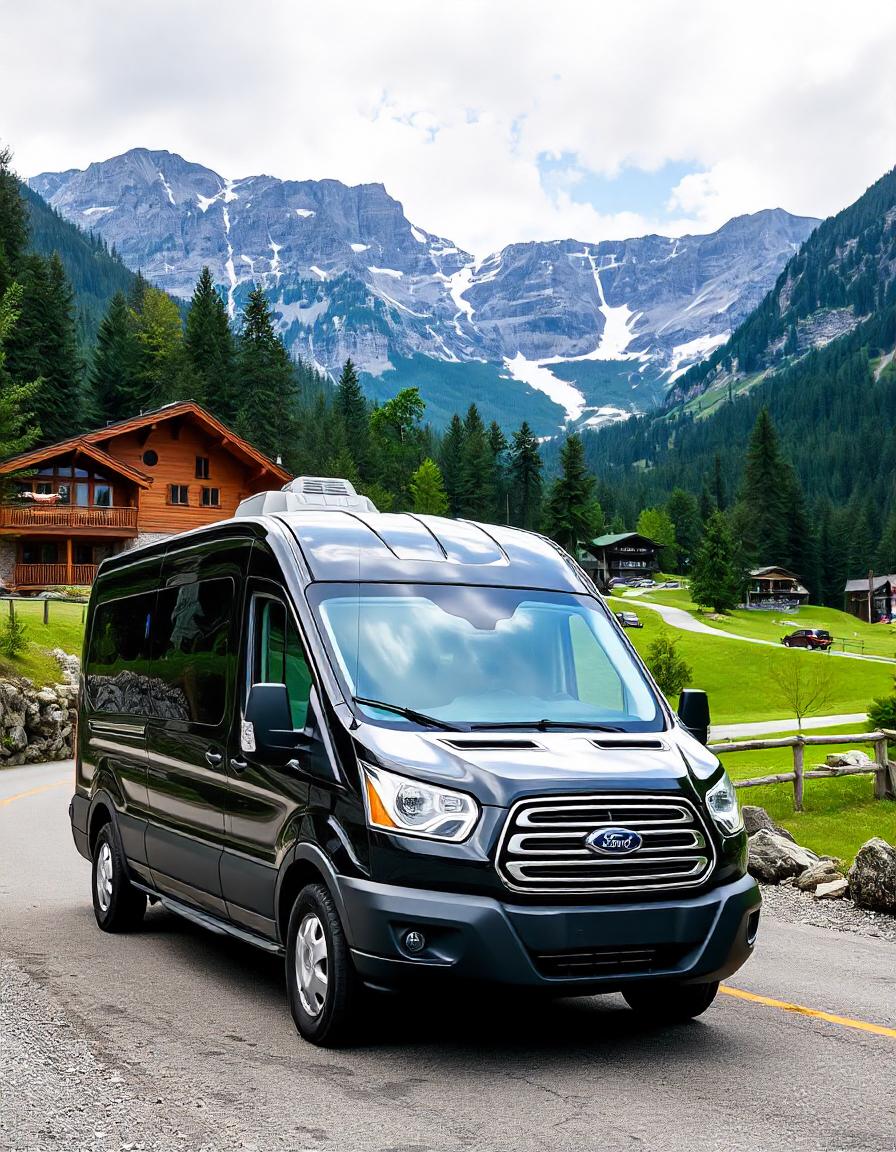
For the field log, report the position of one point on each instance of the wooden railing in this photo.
(53, 575)
(883, 769)
(66, 516)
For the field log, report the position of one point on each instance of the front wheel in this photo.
(670, 1003)
(322, 985)
(117, 904)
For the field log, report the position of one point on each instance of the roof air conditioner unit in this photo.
(306, 492)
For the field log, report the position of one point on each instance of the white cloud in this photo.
(451, 104)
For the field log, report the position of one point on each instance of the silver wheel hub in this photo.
(312, 964)
(104, 877)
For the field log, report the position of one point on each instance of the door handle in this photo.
(239, 765)
(214, 758)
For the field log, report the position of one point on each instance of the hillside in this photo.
(95, 274)
(555, 332)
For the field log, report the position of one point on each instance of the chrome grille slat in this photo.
(542, 847)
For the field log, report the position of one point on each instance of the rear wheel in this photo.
(117, 904)
(670, 1003)
(323, 988)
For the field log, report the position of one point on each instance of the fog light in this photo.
(753, 927)
(414, 941)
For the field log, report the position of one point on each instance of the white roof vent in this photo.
(307, 492)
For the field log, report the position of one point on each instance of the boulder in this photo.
(872, 877)
(774, 858)
(824, 872)
(833, 890)
(855, 758)
(756, 818)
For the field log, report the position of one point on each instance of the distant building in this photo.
(620, 556)
(71, 504)
(773, 585)
(876, 593)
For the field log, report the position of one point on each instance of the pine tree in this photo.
(211, 350)
(719, 492)
(525, 479)
(477, 471)
(352, 408)
(497, 443)
(13, 222)
(766, 496)
(717, 575)
(656, 525)
(18, 430)
(450, 461)
(885, 560)
(396, 442)
(684, 512)
(572, 514)
(116, 364)
(163, 364)
(428, 491)
(266, 381)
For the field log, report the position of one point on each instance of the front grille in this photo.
(594, 962)
(543, 846)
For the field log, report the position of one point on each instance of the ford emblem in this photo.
(614, 841)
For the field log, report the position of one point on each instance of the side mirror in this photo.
(693, 712)
(267, 728)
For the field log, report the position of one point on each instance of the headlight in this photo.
(397, 804)
(721, 800)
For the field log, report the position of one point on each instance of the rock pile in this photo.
(37, 724)
(775, 857)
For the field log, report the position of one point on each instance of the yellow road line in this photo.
(33, 791)
(815, 1013)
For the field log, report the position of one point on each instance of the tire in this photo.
(117, 905)
(671, 1003)
(322, 986)
(786, 643)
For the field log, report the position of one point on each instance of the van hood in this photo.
(499, 768)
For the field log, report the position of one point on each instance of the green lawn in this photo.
(736, 674)
(839, 814)
(65, 630)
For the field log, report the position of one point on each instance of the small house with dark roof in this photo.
(69, 505)
(871, 598)
(619, 556)
(774, 585)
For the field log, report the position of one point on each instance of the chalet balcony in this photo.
(52, 518)
(53, 575)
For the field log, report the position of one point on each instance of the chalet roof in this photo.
(617, 538)
(77, 446)
(861, 585)
(92, 442)
(770, 568)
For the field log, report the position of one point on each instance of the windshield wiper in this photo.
(409, 714)
(544, 725)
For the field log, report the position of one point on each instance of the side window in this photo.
(597, 681)
(118, 656)
(191, 650)
(278, 656)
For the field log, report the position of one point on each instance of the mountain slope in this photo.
(567, 330)
(95, 274)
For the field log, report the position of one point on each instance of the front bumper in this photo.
(595, 948)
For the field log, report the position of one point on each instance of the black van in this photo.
(394, 748)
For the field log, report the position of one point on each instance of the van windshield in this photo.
(471, 655)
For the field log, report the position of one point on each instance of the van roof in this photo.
(385, 546)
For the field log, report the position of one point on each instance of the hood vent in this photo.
(492, 744)
(631, 744)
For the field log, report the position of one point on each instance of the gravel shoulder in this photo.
(789, 904)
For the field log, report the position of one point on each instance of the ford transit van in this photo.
(394, 749)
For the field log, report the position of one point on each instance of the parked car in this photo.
(629, 620)
(396, 750)
(671, 584)
(618, 582)
(808, 638)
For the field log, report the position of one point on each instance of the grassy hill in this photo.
(64, 630)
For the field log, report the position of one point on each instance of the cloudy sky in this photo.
(491, 120)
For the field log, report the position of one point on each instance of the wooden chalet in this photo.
(871, 598)
(621, 555)
(773, 585)
(69, 505)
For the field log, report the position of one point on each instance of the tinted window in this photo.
(278, 656)
(191, 650)
(118, 656)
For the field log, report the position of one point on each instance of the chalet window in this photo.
(178, 494)
(202, 467)
(211, 497)
(102, 495)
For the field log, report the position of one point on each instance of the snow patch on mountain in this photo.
(167, 188)
(304, 213)
(394, 272)
(359, 247)
(684, 355)
(537, 376)
(97, 210)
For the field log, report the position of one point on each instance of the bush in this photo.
(882, 711)
(13, 638)
(668, 666)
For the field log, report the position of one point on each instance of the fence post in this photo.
(12, 610)
(46, 611)
(798, 755)
(882, 775)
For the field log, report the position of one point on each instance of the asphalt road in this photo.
(177, 1039)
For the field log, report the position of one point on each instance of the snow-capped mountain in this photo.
(555, 331)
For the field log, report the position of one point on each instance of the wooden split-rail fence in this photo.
(881, 768)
